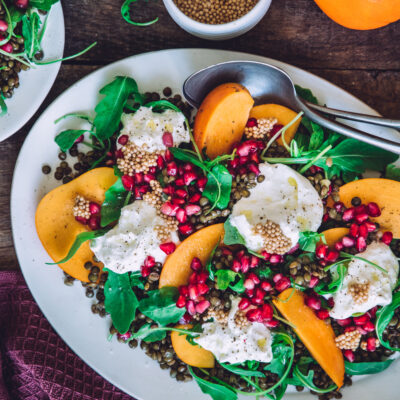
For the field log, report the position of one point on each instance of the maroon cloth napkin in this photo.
(35, 363)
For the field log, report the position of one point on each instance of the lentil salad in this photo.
(303, 269)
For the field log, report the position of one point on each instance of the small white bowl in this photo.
(221, 31)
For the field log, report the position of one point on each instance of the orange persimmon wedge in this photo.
(384, 192)
(283, 114)
(334, 235)
(192, 355)
(221, 118)
(176, 269)
(317, 335)
(56, 225)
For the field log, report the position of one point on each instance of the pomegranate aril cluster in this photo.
(87, 212)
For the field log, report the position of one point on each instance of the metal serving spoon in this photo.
(267, 83)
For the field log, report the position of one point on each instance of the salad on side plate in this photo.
(238, 245)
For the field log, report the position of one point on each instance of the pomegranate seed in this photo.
(313, 282)
(349, 355)
(265, 285)
(202, 289)
(7, 48)
(202, 306)
(361, 320)
(172, 168)
(254, 278)
(363, 230)
(181, 302)
(94, 222)
(202, 182)
(332, 256)
(275, 129)
(117, 153)
(371, 344)
(144, 189)
(127, 182)
(226, 251)
(193, 278)
(3, 26)
(249, 284)
(149, 178)
(160, 162)
(169, 209)
(168, 155)
(195, 198)
(195, 265)
(368, 326)
(387, 238)
(139, 178)
(349, 329)
(252, 122)
(192, 209)
(152, 170)
(249, 293)
(168, 248)
(167, 139)
(338, 206)
(183, 290)
(348, 241)
(181, 193)
(181, 171)
(254, 157)
(202, 276)
(373, 210)
(293, 249)
(325, 217)
(236, 266)
(361, 209)
(371, 227)
(185, 229)
(169, 190)
(244, 303)
(247, 147)
(149, 261)
(339, 246)
(123, 140)
(354, 230)
(94, 208)
(181, 215)
(178, 201)
(254, 168)
(266, 255)
(245, 262)
(313, 302)
(190, 307)
(189, 177)
(254, 315)
(82, 220)
(360, 218)
(361, 244)
(267, 312)
(193, 292)
(331, 302)
(271, 324)
(344, 322)
(277, 277)
(283, 284)
(322, 314)
(372, 311)
(321, 251)
(276, 259)
(348, 215)
(243, 160)
(145, 271)
(254, 261)
(82, 137)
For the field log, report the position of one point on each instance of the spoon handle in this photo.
(369, 119)
(351, 132)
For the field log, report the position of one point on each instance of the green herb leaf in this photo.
(282, 353)
(383, 317)
(120, 300)
(392, 172)
(232, 235)
(366, 368)
(225, 277)
(216, 391)
(308, 240)
(161, 105)
(125, 12)
(306, 94)
(280, 391)
(113, 203)
(149, 334)
(317, 136)
(137, 280)
(241, 371)
(66, 139)
(219, 186)
(79, 240)
(188, 156)
(109, 110)
(209, 266)
(338, 274)
(44, 5)
(264, 272)
(3, 106)
(238, 287)
(161, 307)
(30, 30)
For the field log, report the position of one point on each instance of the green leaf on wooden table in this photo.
(149, 334)
(392, 172)
(30, 30)
(66, 139)
(215, 390)
(120, 300)
(125, 12)
(239, 370)
(225, 277)
(79, 240)
(366, 368)
(306, 94)
(232, 235)
(308, 240)
(109, 110)
(219, 186)
(161, 307)
(383, 317)
(3, 106)
(44, 5)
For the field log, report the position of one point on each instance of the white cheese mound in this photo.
(381, 285)
(146, 127)
(286, 198)
(232, 344)
(125, 247)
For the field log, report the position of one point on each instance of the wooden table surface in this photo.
(366, 63)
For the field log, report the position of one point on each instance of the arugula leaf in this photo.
(109, 110)
(306, 94)
(317, 136)
(66, 139)
(15, 16)
(209, 266)
(238, 287)
(188, 156)
(232, 235)
(149, 334)
(225, 277)
(44, 5)
(241, 371)
(338, 275)
(30, 30)
(280, 391)
(366, 368)
(161, 307)
(79, 240)
(383, 317)
(3, 106)
(392, 172)
(137, 280)
(282, 353)
(264, 273)
(308, 240)
(125, 12)
(219, 186)
(120, 300)
(216, 391)
(114, 201)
